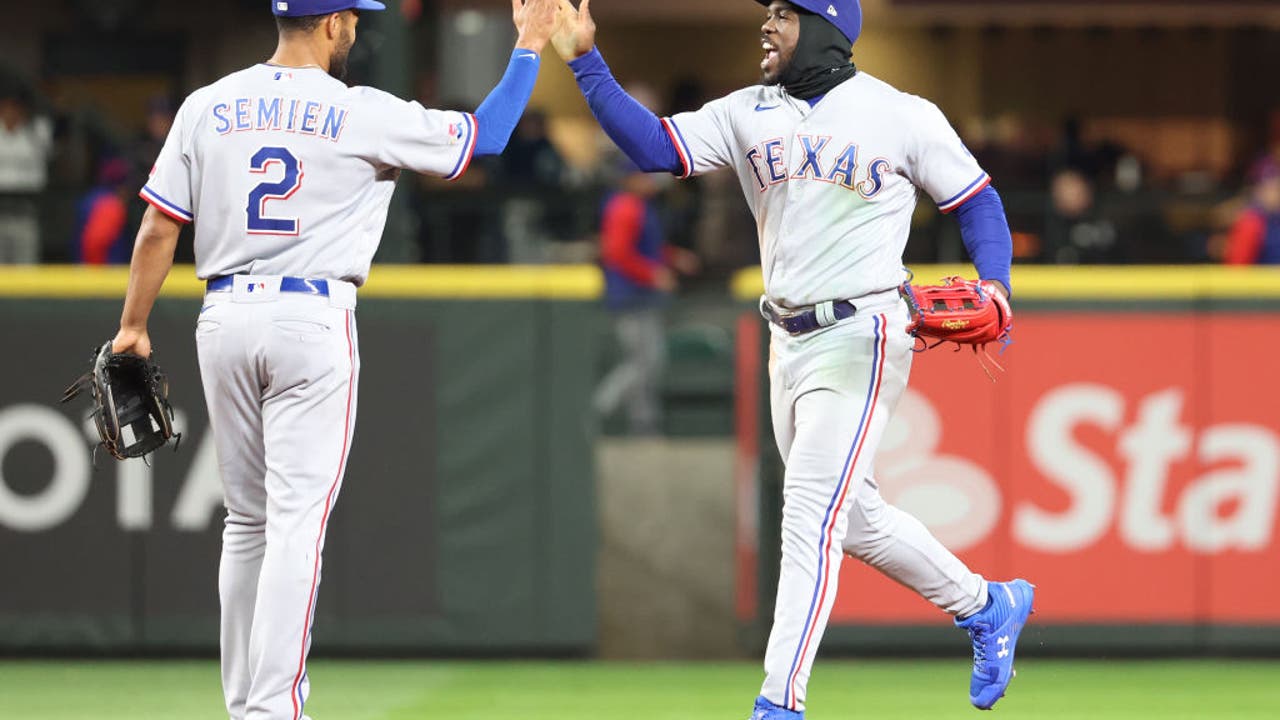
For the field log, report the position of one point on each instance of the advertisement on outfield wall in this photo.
(1128, 464)
(111, 553)
(436, 541)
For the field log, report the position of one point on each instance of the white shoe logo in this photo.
(831, 10)
(1013, 601)
(1004, 646)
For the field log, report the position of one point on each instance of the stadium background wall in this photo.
(469, 522)
(1128, 462)
(465, 524)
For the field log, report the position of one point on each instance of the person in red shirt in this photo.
(640, 275)
(1255, 237)
(101, 236)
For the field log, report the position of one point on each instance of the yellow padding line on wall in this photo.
(1112, 282)
(477, 282)
(585, 282)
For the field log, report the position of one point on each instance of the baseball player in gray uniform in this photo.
(829, 159)
(287, 174)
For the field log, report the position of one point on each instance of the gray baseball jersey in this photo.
(288, 174)
(293, 170)
(832, 187)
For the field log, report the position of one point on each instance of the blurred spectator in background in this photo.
(532, 169)
(460, 221)
(140, 156)
(102, 228)
(1075, 231)
(1094, 160)
(640, 274)
(1255, 235)
(530, 158)
(1134, 208)
(1006, 148)
(26, 142)
(146, 147)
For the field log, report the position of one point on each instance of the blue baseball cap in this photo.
(846, 15)
(301, 8)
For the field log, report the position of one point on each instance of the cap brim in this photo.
(369, 5)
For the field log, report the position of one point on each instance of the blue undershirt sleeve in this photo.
(501, 110)
(985, 231)
(631, 126)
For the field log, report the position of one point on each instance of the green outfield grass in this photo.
(919, 690)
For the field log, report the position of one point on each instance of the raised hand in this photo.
(575, 34)
(535, 21)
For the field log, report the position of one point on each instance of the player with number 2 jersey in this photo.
(287, 174)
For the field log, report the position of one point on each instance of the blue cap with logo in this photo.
(846, 15)
(301, 8)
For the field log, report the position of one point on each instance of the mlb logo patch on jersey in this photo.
(284, 76)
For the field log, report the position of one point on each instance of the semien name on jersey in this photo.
(279, 114)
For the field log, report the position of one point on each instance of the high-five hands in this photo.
(535, 21)
(575, 33)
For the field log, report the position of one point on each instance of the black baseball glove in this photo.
(131, 402)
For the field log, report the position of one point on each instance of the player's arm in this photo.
(400, 134)
(497, 116)
(152, 259)
(168, 192)
(632, 127)
(938, 162)
(984, 228)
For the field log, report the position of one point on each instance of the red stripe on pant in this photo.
(296, 688)
(829, 531)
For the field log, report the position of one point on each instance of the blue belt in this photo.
(809, 319)
(305, 286)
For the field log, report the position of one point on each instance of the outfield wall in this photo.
(1128, 463)
(466, 522)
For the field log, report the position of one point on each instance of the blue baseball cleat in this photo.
(994, 631)
(765, 710)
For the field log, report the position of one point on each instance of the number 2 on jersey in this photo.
(259, 223)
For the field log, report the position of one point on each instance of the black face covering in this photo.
(821, 60)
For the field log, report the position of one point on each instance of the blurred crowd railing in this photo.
(68, 187)
(500, 224)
